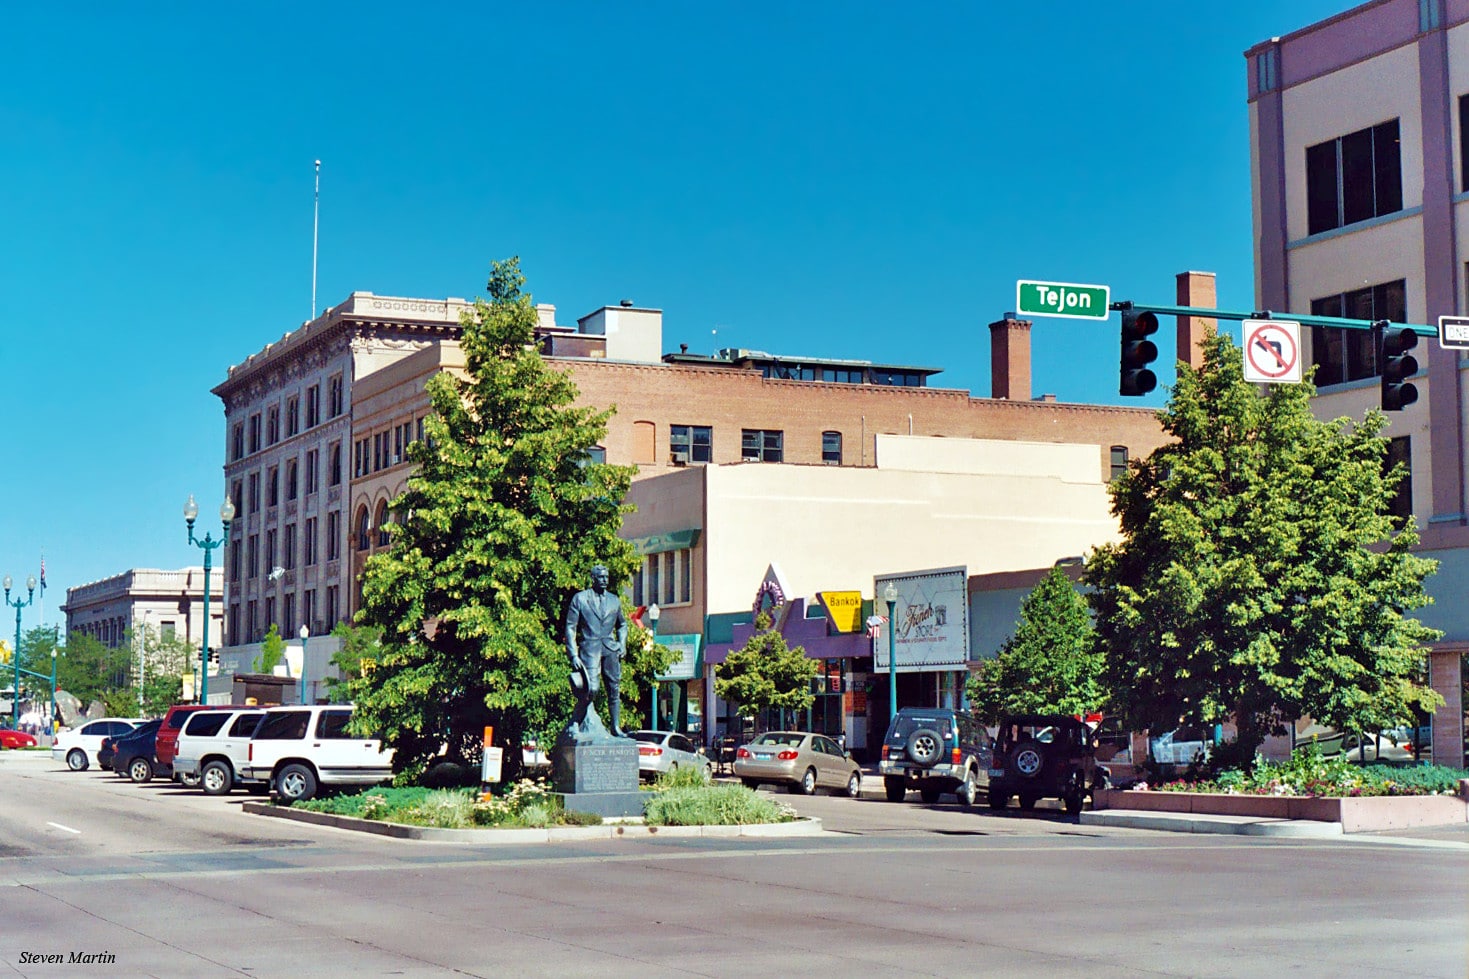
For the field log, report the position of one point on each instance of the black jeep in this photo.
(1044, 756)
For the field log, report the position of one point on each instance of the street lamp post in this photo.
(15, 653)
(652, 614)
(226, 514)
(305, 634)
(890, 595)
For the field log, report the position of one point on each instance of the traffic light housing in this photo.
(1137, 352)
(1397, 366)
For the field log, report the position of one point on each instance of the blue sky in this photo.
(836, 179)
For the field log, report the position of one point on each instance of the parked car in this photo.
(1044, 756)
(168, 738)
(1182, 746)
(801, 761)
(935, 750)
(213, 746)
(132, 753)
(664, 751)
(78, 747)
(301, 749)
(11, 738)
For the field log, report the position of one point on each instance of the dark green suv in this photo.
(935, 750)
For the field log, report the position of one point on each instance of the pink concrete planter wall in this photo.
(1356, 815)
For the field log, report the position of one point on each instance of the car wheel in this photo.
(895, 789)
(295, 783)
(76, 760)
(140, 769)
(807, 785)
(750, 783)
(1028, 800)
(854, 786)
(189, 781)
(217, 778)
(929, 796)
(968, 789)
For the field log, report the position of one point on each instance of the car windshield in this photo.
(785, 739)
(906, 724)
(650, 737)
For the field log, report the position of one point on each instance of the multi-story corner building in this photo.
(170, 603)
(1359, 134)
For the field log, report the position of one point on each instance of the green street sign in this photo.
(1063, 299)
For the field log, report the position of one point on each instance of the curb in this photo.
(1225, 825)
(556, 834)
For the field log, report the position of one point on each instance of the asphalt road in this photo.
(171, 883)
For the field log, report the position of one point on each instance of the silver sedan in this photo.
(664, 751)
(802, 761)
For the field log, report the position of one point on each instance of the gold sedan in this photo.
(801, 761)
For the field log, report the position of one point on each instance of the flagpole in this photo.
(315, 231)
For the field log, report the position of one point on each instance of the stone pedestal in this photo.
(600, 778)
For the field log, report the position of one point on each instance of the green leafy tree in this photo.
(501, 522)
(354, 660)
(645, 659)
(1051, 665)
(766, 674)
(1260, 577)
(167, 658)
(87, 669)
(272, 651)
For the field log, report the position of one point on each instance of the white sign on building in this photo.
(930, 620)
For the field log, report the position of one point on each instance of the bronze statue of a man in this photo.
(596, 639)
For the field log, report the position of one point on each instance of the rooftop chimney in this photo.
(1010, 359)
(1195, 289)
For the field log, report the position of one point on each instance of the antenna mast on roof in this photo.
(315, 230)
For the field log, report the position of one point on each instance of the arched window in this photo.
(382, 524)
(364, 529)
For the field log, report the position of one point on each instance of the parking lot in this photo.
(172, 883)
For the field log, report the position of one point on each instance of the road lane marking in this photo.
(67, 828)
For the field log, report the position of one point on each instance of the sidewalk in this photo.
(1454, 837)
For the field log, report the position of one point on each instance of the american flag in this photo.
(875, 624)
(43, 574)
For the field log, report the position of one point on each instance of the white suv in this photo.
(213, 746)
(301, 749)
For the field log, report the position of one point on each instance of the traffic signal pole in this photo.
(1339, 322)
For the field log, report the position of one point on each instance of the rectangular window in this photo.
(254, 556)
(270, 551)
(686, 576)
(691, 443)
(331, 606)
(252, 620)
(311, 472)
(1464, 143)
(831, 448)
(273, 486)
(254, 482)
(670, 578)
(665, 578)
(1119, 461)
(651, 579)
(255, 432)
(237, 495)
(397, 444)
(333, 535)
(308, 609)
(308, 545)
(237, 442)
(288, 620)
(269, 616)
(334, 396)
(1400, 452)
(234, 624)
(288, 548)
(293, 415)
(272, 425)
(334, 470)
(291, 482)
(418, 430)
(637, 586)
(313, 406)
(1354, 177)
(234, 550)
(761, 445)
(1342, 355)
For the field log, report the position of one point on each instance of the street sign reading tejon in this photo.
(1453, 332)
(1064, 299)
(1272, 351)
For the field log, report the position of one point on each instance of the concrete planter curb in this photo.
(1359, 814)
(558, 834)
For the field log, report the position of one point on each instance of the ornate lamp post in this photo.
(890, 595)
(305, 634)
(17, 604)
(652, 615)
(226, 514)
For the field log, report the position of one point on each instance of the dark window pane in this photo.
(1357, 177)
(206, 724)
(1390, 301)
(284, 726)
(1464, 142)
(1388, 165)
(1321, 188)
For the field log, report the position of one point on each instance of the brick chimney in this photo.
(1010, 359)
(1195, 289)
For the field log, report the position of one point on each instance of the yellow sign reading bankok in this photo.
(843, 608)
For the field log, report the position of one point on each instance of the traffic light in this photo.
(1137, 352)
(1397, 366)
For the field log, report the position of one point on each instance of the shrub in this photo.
(714, 805)
(682, 778)
(442, 808)
(1308, 772)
